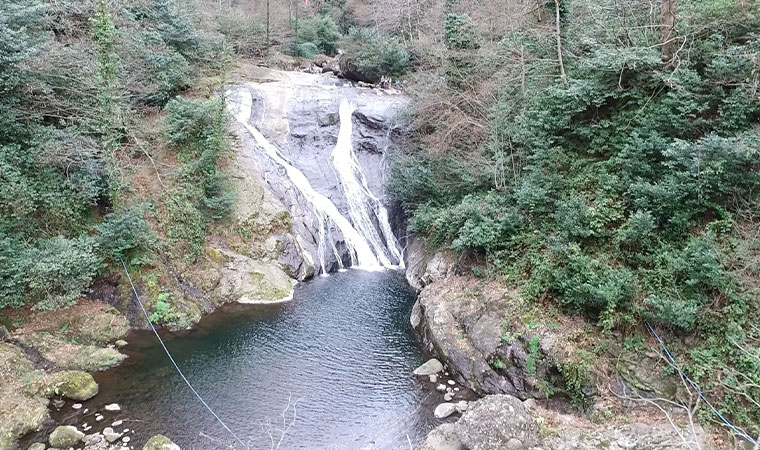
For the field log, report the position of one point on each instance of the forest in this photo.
(601, 157)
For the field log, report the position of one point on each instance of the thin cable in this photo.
(139, 302)
(672, 360)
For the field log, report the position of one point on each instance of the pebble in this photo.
(452, 382)
(462, 406)
(58, 403)
(117, 423)
(456, 389)
(113, 407)
(441, 388)
(86, 410)
(448, 397)
(98, 418)
(125, 439)
(434, 378)
(77, 406)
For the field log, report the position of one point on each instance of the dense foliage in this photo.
(318, 32)
(616, 194)
(75, 81)
(374, 53)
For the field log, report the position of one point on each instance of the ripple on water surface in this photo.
(342, 352)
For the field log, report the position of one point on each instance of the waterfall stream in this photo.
(367, 231)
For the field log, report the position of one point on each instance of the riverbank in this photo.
(546, 380)
(45, 362)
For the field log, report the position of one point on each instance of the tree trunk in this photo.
(558, 31)
(667, 24)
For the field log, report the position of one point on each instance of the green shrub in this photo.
(158, 71)
(373, 53)
(175, 28)
(320, 31)
(306, 50)
(165, 312)
(126, 235)
(459, 33)
(49, 275)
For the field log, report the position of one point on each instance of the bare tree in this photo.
(558, 32)
(667, 25)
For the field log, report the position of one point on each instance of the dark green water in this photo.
(342, 351)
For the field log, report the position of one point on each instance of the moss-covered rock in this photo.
(72, 384)
(65, 437)
(160, 442)
(69, 355)
(246, 280)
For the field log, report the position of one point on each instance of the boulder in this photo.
(72, 384)
(160, 442)
(431, 367)
(350, 71)
(36, 446)
(65, 437)
(444, 410)
(120, 343)
(443, 437)
(497, 422)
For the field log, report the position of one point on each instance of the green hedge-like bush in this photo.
(320, 31)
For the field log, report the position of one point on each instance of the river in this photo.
(340, 353)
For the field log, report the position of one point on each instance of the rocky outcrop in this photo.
(351, 71)
(467, 332)
(497, 422)
(503, 422)
(245, 280)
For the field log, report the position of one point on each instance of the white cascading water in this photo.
(364, 209)
(361, 242)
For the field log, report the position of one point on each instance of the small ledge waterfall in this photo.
(365, 230)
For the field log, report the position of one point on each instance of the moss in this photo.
(69, 355)
(215, 255)
(21, 411)
(65, 437)
(160, 442)
(72, 384)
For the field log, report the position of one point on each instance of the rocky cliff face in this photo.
(298, 114)
(461, 318)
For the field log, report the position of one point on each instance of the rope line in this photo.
(672, 360)
(145, 312)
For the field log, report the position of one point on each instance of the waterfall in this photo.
(366, 211)
(364, 242)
